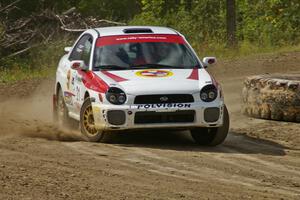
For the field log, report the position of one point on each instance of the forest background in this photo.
(34, 32)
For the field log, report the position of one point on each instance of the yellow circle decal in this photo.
(154, 73)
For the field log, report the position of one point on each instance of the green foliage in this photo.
(41, 62)
(25, 8)
(259, 22)
(202, 22)
(1, 29)
(262, 26)
(269, 22)
(110, 9)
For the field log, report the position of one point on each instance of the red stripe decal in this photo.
(140, 38)
(114, 77)
(93, 82)
(194, 75)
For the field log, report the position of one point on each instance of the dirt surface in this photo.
(259, 160)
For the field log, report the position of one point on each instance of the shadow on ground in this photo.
(164, 139)
(182, 141)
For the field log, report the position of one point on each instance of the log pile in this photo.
(272, 96)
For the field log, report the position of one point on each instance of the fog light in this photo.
(116, 117)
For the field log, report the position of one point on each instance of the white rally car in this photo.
(126, 78)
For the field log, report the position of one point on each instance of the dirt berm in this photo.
(259, 160)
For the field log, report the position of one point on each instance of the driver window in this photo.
(87, 51)
(82, 50)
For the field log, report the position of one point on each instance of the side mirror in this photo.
(207, 61)
(68, 49)
(79, 64)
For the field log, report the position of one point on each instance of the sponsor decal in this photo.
(164, 105)
(77, 90)
(68, 98)
(139, 38)
(154, 73)
(68, 79)
(77, 78)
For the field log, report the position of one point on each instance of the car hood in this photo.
(157, 81)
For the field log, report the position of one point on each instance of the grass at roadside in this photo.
(16, 74)
(41, 62)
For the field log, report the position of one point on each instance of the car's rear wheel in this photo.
(212, 136)
(87, 124)
(61, 115)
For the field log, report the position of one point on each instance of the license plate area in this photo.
(153, 117)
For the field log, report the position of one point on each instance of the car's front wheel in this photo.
(87, 124)
(212, 136)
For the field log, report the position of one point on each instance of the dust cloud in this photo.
(31, 115)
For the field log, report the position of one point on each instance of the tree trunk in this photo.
(231, 23)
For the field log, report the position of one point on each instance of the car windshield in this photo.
(141, 55)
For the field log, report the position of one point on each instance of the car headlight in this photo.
(116, 96)
(208, 93)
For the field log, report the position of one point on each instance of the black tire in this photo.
(274, 97)
(61, 115)
(90, 134)
(212, 136)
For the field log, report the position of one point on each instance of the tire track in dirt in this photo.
(162, 164)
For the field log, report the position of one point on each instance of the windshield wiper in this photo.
(155, 65)
(111, 67)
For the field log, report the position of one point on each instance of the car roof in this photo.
(120, 30)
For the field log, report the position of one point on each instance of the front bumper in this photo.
(173, 116)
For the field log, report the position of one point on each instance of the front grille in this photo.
(161, 98)
(151, 117)
(211, 114)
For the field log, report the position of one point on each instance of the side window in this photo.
(82, 50)
(86, 54)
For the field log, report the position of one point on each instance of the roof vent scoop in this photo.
(137, 30)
